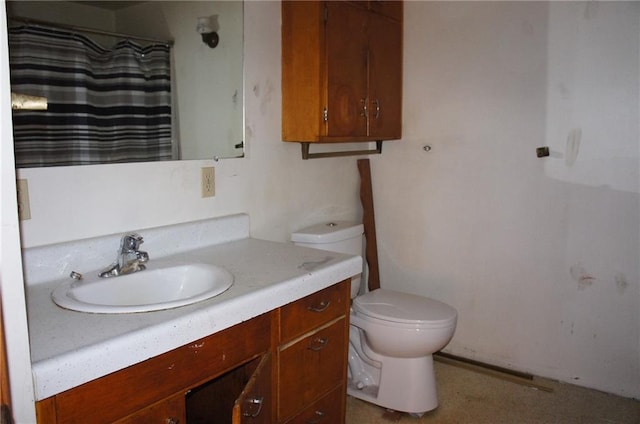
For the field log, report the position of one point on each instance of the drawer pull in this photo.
(172, 421)
(254, 404)
(318, 343)
(322, 306)
(319, 416)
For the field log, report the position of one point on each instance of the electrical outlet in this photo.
(208, 182)
(24, 210)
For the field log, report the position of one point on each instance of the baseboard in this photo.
(514, 376)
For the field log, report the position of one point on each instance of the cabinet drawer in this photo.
(311, 367)
(314, 310)
(328, 410)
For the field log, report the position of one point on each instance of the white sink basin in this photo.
(153, 289)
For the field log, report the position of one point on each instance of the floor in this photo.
(473, 396)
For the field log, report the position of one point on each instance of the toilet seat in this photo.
(404, 309)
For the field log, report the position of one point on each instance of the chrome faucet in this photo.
(129, 259)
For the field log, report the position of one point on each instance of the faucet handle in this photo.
(131, 242)
(143, 257)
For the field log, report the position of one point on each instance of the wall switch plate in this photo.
(208, 181)
(24, 210)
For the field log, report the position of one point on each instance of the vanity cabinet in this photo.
(288, 366)
(154, 390)
(341, 71)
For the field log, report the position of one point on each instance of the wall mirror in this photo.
(207, 78)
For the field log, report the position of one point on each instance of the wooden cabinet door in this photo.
(253, 406)
(303, 71)
(385, 78)
(346, 58)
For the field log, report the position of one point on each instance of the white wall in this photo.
(539, 256)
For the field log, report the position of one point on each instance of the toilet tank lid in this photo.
(328, 232)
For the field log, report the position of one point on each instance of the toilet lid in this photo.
(400, 307)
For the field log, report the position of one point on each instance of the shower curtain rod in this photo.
(87, 30)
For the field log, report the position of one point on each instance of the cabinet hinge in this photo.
(325, 115)
(326, 13)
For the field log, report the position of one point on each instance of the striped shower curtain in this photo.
(104, 105)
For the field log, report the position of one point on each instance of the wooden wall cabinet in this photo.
(283, 366)
(341, 71)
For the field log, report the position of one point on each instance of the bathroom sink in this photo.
(156, 288)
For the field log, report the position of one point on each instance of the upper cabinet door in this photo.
(303, 70)
(385, 78)
(347, 62)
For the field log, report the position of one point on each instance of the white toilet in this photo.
(392, 335)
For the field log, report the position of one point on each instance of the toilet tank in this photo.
(337, 236)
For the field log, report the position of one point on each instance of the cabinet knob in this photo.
(172, 421)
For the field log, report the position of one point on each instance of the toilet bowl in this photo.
(392, 335)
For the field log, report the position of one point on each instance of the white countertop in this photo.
(70, 348)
